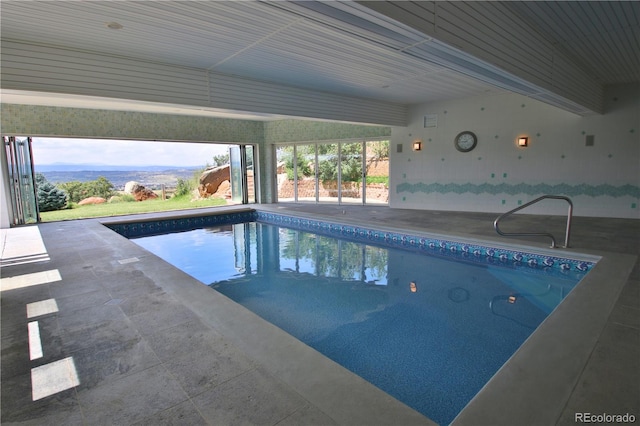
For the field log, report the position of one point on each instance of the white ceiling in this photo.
(602, 36)
(299, 44)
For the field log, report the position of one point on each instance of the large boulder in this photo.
(92, 200)
(130, 186)
(224, 190)
(141, 193)
(211, 179)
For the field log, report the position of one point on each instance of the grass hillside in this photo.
(125, 208)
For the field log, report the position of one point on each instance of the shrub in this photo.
(122, 198)
(50, 197)
(183, 187)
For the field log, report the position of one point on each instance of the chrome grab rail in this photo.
(542, 234)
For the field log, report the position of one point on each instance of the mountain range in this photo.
(71, 167)
(152, 177)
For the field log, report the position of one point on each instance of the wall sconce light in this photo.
(417, 145)
(523, 142)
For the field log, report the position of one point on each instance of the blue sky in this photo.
(123, 152)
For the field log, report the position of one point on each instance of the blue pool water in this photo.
(429, 327)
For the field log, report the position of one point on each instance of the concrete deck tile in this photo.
(68, 305)
(255, 397)
(147, 303)
(99, 335)
(183, 339)
(180, 415)
(51, 340)
(129, 284)
(131, 398)
(97, 366)
(630, 295)
(87, 317)
(14, 316)
(67, 287)
(15, 358)
(171, 315)
(624, 314)
(308, 416)
(13, 342)
(19, 408)
(201, 370)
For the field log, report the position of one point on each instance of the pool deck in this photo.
(132, 340)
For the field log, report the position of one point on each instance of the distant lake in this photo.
(152, 179)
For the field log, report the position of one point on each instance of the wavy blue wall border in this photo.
(522, 188)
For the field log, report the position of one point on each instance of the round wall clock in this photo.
(465, 141)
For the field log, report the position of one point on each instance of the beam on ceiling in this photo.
(491, 43)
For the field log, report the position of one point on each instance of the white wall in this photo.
(602, 180)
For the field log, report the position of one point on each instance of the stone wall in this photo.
(306, 189)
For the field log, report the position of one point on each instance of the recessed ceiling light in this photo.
(114, 25)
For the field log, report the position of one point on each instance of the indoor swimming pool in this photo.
(427, 320)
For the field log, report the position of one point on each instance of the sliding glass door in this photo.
(243, 174)
(352, 173)
(341, 173)
(22, 189)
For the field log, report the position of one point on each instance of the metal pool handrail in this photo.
(542, 234)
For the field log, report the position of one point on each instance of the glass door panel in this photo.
(328, 172)
(285, 172)
(241, 163)
(21, 178)
(236, 174)
(377, 172)
(250, 169)
(306, 181)
(351, 173)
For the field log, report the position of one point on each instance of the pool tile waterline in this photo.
(460, 250)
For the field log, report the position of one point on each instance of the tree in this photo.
(100, 187)
(350, 162)
(50, 197)
(74, 190)
(78, 191)
(303, 166)
(220, 160)
(379, 149)
(304, 157)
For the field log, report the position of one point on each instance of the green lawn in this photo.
(125, 208)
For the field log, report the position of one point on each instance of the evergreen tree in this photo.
(50, 197)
